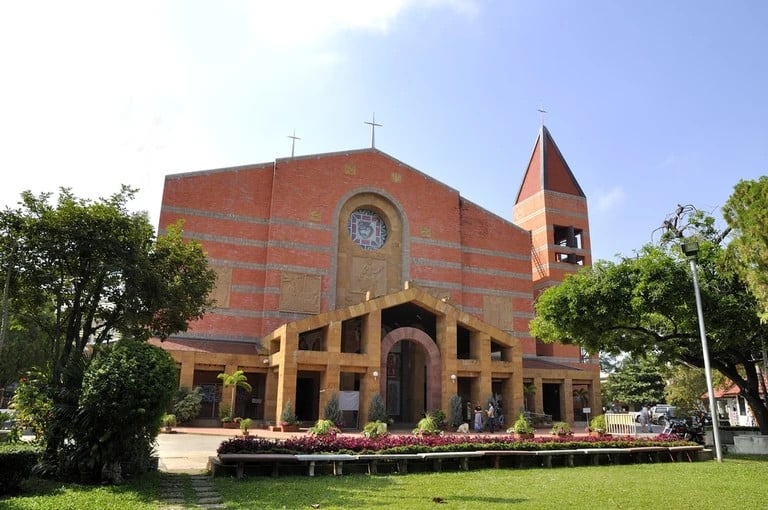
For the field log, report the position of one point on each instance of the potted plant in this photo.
(288, 420)
(561, 428)
(597, 426)
(245, 425)
(227, 421)
(522, 428)
(237, 379)
(168, 421)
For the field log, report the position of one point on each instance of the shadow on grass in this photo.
(43, 494)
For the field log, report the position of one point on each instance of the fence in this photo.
(620, 424)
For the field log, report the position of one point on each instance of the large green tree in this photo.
(86, 272)
(646, 304)
(637, 381)
(747, 214)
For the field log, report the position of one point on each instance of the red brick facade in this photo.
(278, 234)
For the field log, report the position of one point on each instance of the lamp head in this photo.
(690, 249)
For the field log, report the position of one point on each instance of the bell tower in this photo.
(551, 205)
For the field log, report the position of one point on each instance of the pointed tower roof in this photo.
(547, 170)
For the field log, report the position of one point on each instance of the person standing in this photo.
(491, 417)
(644, 418)
(478, 418)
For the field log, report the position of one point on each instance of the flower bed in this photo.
(409, 444)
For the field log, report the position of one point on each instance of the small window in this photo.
(570, 258)
(569, 237)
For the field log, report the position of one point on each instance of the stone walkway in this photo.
(174, 488)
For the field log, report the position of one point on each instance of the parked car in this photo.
(661, 413)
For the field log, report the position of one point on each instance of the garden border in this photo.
(651, 454)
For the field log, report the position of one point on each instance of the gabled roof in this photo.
(730, 390)
(414, 295)
(547, 170)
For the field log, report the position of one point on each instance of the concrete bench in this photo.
(677, 452)
(496, 455)
(240, 460)
(595, 454)
(438, 457)
(337, 460)
(548, 454)
(652, 452)
(400, 459)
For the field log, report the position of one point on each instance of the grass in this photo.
(736, 483)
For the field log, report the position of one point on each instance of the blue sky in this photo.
(652, 103)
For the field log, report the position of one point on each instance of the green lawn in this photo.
(739, 482)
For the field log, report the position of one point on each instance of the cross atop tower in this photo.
(373, 130)
(543, 112)
(293, 138)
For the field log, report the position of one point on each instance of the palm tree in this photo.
(235, 379)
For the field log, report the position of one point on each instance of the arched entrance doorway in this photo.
(411, 382)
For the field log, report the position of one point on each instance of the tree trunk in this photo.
(760, 411)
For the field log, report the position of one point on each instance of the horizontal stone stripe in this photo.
(217, 215)
(299, 246)
(467, 249)
(218, 338)
(268, 267)
(246, 219)
(238, 241)
(435, 263)
(551, 211)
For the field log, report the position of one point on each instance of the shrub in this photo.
(427, 426)
(333, 410)
(125, 392)
(288, 416)
(16, 463)
(439, 417)
(455, 414)
(375, 429)
(597, 423)
(33, 402)
(168, 420)
(376, 409)
(224, 411)
(522, 426)
(561, 428)
(188, 404)
(324, 428)
(246, 424)
(396, 443)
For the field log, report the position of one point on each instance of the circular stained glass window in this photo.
(367, 229)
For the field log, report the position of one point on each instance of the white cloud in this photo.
(607, 200)
(293, 23)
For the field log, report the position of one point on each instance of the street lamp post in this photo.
(691, 250)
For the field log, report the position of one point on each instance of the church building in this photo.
(353, 274)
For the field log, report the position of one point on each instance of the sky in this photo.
(652, 104)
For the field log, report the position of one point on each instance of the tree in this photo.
(188, 404)
(686, 386)
(376, 409)
(746, 212)
(125, 392)
(237, 379)
(646, 304)
(83, 273)
(332, 410)
(455, 411)
(637, 381)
